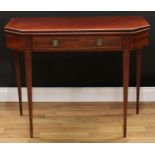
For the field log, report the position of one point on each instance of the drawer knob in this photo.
(55, 43)
(99, 42)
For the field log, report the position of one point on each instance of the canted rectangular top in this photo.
(77, 24)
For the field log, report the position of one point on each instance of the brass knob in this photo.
(55, 43)
(99, 42)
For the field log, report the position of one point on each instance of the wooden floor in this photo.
(77, 122)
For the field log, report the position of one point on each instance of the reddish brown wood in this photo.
(16, 56)
(63, 24)
(139, 55)
(15, 42)
(140, 40)
(79, 34)
(74, 43)
(28, 69)
(126, 60)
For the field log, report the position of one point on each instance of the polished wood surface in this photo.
(63, 24)
(78, 43)
(28, 69)
(16, 58)
(73, 43)
(138, 78)
(121, 34)
(77, 122)
(126, 64)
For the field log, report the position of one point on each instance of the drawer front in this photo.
(76, 43)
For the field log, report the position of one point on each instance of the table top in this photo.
(73, 24)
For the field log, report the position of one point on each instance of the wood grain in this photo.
(28, 70)
(70, 24)
(77, 122)
(16, 57)
(121, 34)
(72, 43)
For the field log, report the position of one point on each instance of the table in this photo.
(80, 34)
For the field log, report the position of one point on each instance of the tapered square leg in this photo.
(138, 78)
(28, 69)
(16, 57)
(126, 59)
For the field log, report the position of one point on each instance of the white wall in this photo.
(84, 94)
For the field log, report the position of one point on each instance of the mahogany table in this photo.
(80, 34)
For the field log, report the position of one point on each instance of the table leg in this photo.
(28, 69)
(16, 57)
(138, 78)
(126, 59)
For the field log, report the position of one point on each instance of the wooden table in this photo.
(82, 34)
